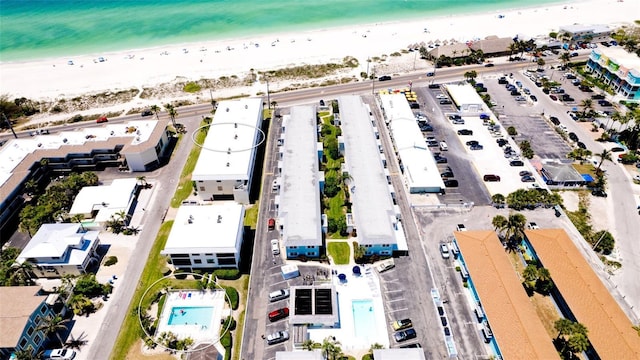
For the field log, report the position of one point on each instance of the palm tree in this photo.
(53, 325)
(142, 179)
(544, 274)
(331, 348)
(21, 274)
(470, 75)
(498, 200)
(77, 342)
(565, 58)
(587, 104)
(77, 218)
(499, 223)
(309, 345)
(530, 273)
(563, 327)
(172, 112)
(156, 110)
(515, 226)
(604, 155)
(578, 343)
(23, 355)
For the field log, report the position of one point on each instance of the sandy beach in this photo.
(57, 78)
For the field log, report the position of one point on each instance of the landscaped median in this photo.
(339, 251)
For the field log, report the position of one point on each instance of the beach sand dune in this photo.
(54, 78)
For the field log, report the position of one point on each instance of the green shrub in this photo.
(458, 268)
(192, 87)
(230, 322)
(111, 260)
(226, 340)
(232, 293)
(367, 357)
(512, 131)
(180, 274)
(227, 274)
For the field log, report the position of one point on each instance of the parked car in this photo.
(445, 102)
(451, 183)
(525, 173)
(520, 98)
(581, 145)
(573, 54)
(275, 248)
(476, 147)
(434, 86)
(277, 337)
(102, 119)
(271, 224)
(384, 78)
(431, 73)
(491, 177)
(146, 112)
(401, 324)
(404, 335)
(573, 136)
(465, 132)
(489, 65)
(501, 142)
(460, 227)
(533, 226)
(527, 178)
(484, 116)
(440, 159)
(533, 98)
(516, 163)
(59, 354)
(604, 103)
(458, 121)
(455, 117)
(554, 120)
(617, 149)
(276, 315)
(472, 142)
(278, 295)
(426, 128)
(599, 193)
(444, 251)
(553, 97)
(432, 143)
(597, 97)
(446, 174)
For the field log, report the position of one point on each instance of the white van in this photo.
(443, 146)
(278, 295)
(275, 248)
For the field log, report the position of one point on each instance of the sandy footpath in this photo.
(52, 78)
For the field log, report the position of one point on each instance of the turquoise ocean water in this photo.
(50, 28)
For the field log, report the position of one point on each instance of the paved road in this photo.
(166, 180)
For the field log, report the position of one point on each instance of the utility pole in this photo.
(10, 126)
(268, 97)
(213, 102)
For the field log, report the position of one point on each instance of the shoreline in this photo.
(137, 68)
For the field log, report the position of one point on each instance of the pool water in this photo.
(364, 319)
(185, 315)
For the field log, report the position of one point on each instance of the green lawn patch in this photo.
(251, 215)
(130, 331)
(340, 252)
(585, 168)
(185, 188)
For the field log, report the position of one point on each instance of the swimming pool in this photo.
(364, 321)
(185, 315)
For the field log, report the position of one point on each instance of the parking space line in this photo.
(279, 282)
(396, 310)
(392, 291)
(401, 299)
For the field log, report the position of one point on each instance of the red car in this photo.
(553, 97)
(271, 224)
(102, 119)
(278, 314)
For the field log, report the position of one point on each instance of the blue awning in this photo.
(587, 177)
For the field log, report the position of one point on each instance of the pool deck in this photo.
(362, 287)
(205, 332)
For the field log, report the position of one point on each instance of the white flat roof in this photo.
(421, 170)
(228, 148)
(299, 208)
(53, 240)
(399, 354)
(14, 151)
(374, 214)
(202, 228)
(622, 57)
(300, 355)
(106, 199)
(465, 95)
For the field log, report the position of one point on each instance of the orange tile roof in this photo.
(590, 302)
(514, 322)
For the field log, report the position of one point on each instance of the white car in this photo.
(533, 226)
(461, 227)
(275, 248)
(59, 354)
(444, 251)
(441, 96)
(636, 177)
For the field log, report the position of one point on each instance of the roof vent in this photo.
(235, 125)
(219, 219)
(246, 106)
(228, 151)
(235, 137)
(228, 164)
(112, 133)
(190, 219)
(227, 109)
(64, 140)
(39, 144)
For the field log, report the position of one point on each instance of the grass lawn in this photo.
(184, 186)
(339, 252)
(130, 332)
(585, 168)
(242, 285)
(251, 215)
